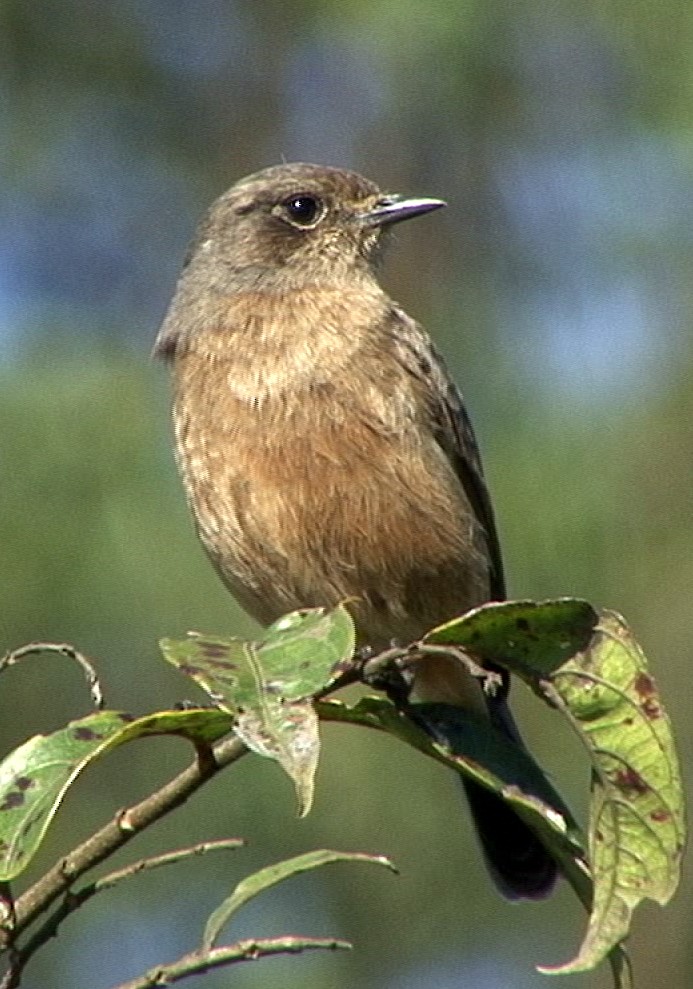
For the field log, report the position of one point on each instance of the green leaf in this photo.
(637, 828)
(250, 887)
(300, 655)
(530, 638)
(595, 673)
(35, 777)
(267, 685)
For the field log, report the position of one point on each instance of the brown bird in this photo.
(325, 450)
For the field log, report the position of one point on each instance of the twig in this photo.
(198, 962)
(14, 656)
(404, 660)
(73, 901)
(157, 861)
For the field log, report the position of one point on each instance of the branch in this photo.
(125, 825)
(198, 962)
(73, 901)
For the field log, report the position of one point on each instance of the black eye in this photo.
(303, 210)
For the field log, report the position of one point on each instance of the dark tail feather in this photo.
(519, 864)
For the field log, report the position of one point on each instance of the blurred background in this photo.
(558, 285)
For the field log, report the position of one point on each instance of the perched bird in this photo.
(325, 451)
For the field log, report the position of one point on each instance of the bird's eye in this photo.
(304, 210)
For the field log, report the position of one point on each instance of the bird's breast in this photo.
(329, 490)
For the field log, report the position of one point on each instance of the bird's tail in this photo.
(520, 866)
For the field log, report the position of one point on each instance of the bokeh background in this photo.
(558, 285)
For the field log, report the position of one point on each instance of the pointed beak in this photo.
(393, 209)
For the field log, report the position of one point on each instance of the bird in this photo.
(325, 450)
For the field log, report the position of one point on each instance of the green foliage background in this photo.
(588, 440)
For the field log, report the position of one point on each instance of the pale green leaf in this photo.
(267, 685)
(270, 876)
(637, 829)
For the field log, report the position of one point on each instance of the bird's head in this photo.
(280, 231)
(300, 221)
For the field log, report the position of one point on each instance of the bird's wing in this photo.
(453, 430)
(520, 865)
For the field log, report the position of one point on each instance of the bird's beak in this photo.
(393, 209)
